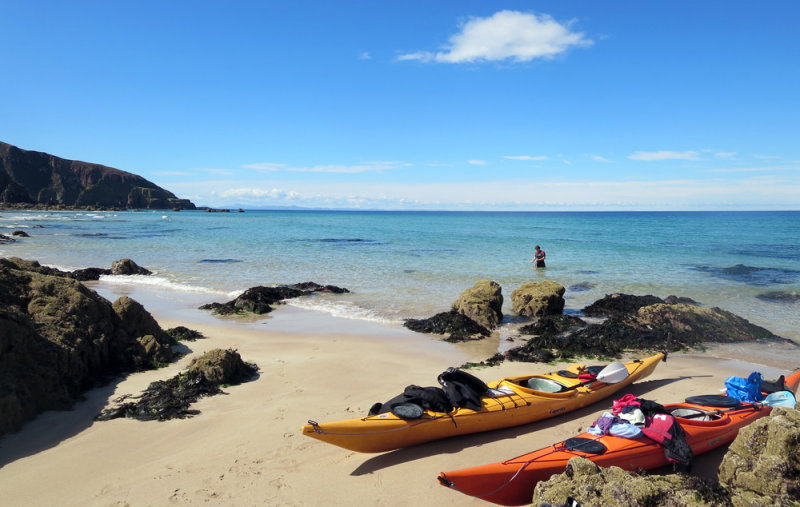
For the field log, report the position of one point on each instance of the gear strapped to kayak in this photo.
(673, 433)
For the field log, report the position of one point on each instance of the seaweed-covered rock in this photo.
(529, 353)
(777, 296)
(58, 338)
(456, 326)
(86, 274)
(593, 486)
(259, 300)
(21, 234)
(182, 333)
(619, 305)
(128, 267)
(170, 399)
(762, 466)
(482, 303)
(552, 324)
(223, 367)
(536, 299)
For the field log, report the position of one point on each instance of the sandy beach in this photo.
(245, 448)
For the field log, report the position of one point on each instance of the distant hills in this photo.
(32, 179)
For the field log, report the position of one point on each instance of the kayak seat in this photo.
(589, 369)
(713, 400)
(544, 385)
(692, 413)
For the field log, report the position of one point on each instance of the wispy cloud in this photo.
(477, 162)
(265, 166)
(725, 154)
(328, 168)
(272, 193)
(526, 157)
(219, 172)
(598, 158)
(756, 169)
(506, 35)
(651, 156)
(364, 56)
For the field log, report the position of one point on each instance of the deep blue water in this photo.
(412, 264)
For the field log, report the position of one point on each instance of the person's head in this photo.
(536, 247)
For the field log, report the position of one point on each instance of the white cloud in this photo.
(756, 169)
(220, 172)
(725, 154)
(476, 162)
(526, 157)
(364, 56)
(506, 35)
(273, 193)
(650, 156)
(598, 158)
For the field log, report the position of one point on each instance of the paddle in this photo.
(779, 399)
(611, 374)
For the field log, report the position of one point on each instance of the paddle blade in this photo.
(613, 373)
(780, 399)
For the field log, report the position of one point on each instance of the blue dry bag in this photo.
(745, 389)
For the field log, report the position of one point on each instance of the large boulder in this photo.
(762, 466)
(619, 305)
(536, 299)
(593, 486)
(482, 303)
(59, 338)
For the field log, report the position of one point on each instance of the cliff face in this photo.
(35, 178)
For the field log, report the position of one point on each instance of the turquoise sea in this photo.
(402, 265)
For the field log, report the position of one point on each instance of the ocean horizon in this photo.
(412, 264)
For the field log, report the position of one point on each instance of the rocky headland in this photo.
(32, 179)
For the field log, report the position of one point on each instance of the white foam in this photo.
(161, 283)
(342, 309)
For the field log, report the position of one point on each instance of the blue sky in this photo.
(502, 105)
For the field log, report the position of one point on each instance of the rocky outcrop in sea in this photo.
(58, 339)
(32, 179)
(482, 303)
(259, 300)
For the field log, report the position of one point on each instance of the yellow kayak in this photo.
(511, 402)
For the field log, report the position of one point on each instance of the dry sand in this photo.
(245, 448)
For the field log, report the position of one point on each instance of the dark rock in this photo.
(128, 267)
(529, 354)
(674, 300)
(181, 333)
(552, 324)
(34, 179)
(536, 299)
(780, 297)
(6, 239)
(315, 287)
(594, 486)
(59, 338)
(259, 299)
(582, 287)
(458, 327)
(492, 361)
(619, 305)
(21, 234)
(84, 275)
(171, 399)
(482, 303)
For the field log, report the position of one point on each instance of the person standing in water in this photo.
(538, 257)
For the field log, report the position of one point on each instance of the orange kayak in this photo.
(518, 404)
(511, 482)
